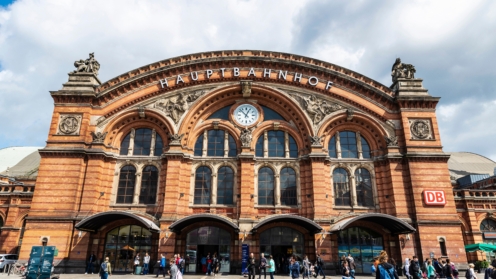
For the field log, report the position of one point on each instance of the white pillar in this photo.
(359, 145)
(131, 143)
(152, 145)
(353, 193)
(286, 145)
(266, 145)
(338, 145)
(277, 190)
(137, 187)
(205, 143)
(213, 196)
(226, 143)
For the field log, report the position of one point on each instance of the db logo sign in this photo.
(432, 197)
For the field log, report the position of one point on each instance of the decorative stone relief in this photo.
(89, 65)
(315, 107)
(98, 137)
(246, 137)
(391, 141)
(175, 139)
(246, 88)
(69, 124)
(141, 111)
(400, 70)
(315, 140)
(349, 114)
(420, 129)
(176, 106)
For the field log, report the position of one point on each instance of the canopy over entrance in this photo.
(391, 223)
(186, 221)
(298, 220)
(93, 223)
(480, 247)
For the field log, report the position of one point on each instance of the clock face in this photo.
(246, 114)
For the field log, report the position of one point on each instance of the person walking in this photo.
(262, 266)
(215, 264)
(91, 262)
(173, 269)
(319, 266)
(146, 264)
(406, 268)
(272, 267)
(136, 263)
(471, 272)
(385, 269)
(415, 268)
(351, 265)
(306, 267)
(295, 268)
(105, 269)
(182, 264)
(431, 271)
(345, 270)
(209, 264)
(447, 269)
(251, 267)
(161, 263)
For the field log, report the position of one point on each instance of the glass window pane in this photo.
(265, 186)
(341, 187)
(365, 148)
(215, 143)
(276, 143)
(149, 183)
(293, 148)
(363, 188)
(259, 147)
(159, 145)
(142, 142)
(199, 146)
(222, 113)
(125, 145)
(348, 144)
(127, 180)
(225, 181)
(203, 178)
(232, 147)
(332, 148)
(288, 186)
(270, 114)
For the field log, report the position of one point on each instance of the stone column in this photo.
(266, 145)
(226, 143)
(286, 145)
(152, 145)
(338, 146)
(277, 189)
(131, 143)
(353, 193)
(359, 145)
(205, 143)
(213, 188)
(137, 186)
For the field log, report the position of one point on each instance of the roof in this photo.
(20, 162)
(461, 164)
(95, 222)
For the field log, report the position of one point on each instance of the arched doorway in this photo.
(204, 240)
(362, 243)
(124, 242)
(281, 243)
(488, 229)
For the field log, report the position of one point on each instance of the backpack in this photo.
(467, 274)
(445, 270)
(103, 267)
(386, 273)
(319, 262)
(182, 263)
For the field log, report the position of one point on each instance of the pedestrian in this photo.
(415, 268)
(385, 269)
(431, 271)
(209, 264)
(489, 272)
(136, 263)
(262, 266)
(146, 264)
(406, 268)
(319, 266)
(161, 264)
(272, 267)
(447, 269)
(251, 267)
(215, 264)
(203, 262)
(471, 272)
(173, 269)
(91, 262)
(351, 265)
(294, 267)
(105, 269)
(182, 264)
(345, 270)
(306, 267)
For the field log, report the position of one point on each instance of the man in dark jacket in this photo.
(251, 267)
(447, 270)
(319, 267)
(414, 268)
(91, 262)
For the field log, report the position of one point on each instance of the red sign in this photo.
(434, 197)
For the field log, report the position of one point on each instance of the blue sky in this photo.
(452, 49)
(5, 3)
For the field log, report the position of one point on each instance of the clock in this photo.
(246, 114)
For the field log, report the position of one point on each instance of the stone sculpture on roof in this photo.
(400, 70)
(89, 65)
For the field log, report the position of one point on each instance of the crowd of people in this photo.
(264, 265)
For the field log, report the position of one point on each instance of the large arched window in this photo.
(348, 145)
(266, 186)
(363, 188)
(225, 182)
(278, 143)
(149, 182)
(141, 142)
(218, 142)
(341, 187)
(203, 184)
(127, 180)
(288, 186)
(488, 229)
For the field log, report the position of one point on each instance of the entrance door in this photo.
(363, 245)
(204, 240)
(281, 243)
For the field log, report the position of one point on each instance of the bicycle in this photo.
(17, 269)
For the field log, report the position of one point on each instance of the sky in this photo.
(451, 44)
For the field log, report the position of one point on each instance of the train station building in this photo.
(210, 152)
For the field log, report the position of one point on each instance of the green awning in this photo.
(480, 247)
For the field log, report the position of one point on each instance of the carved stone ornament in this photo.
(246, 137)
(141, 111)
(175, 107)
(315, 140)
(316, 108)
(89, 65)
(400, 70)
(391, 141)
(246, 88)
(349, 114)
(69, 124)
(98, 137)
(175, 139)
(420, 128)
